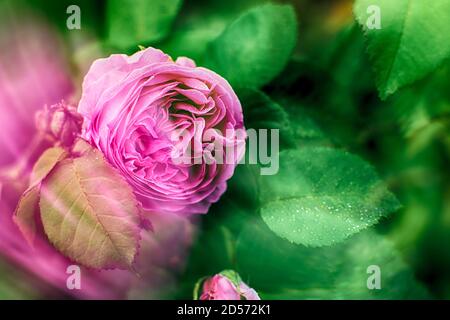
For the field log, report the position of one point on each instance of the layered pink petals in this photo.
(134, 107)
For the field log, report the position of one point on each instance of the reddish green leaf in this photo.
(90, 213)
(25, 214)
(46, 163)
(28, 205)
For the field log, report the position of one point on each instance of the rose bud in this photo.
(227, 286)
(60, 123)
(147, 113)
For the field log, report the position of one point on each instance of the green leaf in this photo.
(191, 37)
(200, 24)
(25, 214)
(418, 107)
(321, 196)
(278, 269)
(304, 128)
(255, 48)
(216, 237)
(89, 212)
(137, 22)
(197, 287)
(27, 209)
(46, 163)
(295, 126)
(261, 112)
(412, 40)
(243, 186)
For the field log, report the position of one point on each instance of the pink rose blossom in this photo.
(133, 105)
(220, 287)
(60, 123)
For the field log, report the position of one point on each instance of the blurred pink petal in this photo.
(33, 73)
(162, 255)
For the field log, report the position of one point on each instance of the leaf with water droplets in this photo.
(321, 196)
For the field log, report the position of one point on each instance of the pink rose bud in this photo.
(60, 123)
(227, 286)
